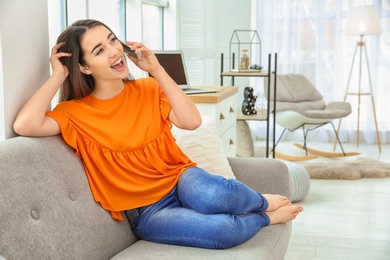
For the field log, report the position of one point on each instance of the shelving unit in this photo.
(261, 116)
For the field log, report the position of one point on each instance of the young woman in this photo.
(120, 128)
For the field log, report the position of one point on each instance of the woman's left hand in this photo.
(184, 114)
(149, 62)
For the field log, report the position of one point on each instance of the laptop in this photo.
(173, 63)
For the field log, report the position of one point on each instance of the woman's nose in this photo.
(114, 50)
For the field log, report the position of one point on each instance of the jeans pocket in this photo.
(132, 217)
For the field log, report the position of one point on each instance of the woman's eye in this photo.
(99, 51)
(113, 39)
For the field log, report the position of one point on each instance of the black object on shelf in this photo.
(249, 103)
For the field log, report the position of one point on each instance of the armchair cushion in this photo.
(296, 93)
(300, 107)
(332, 110)
(294, 88)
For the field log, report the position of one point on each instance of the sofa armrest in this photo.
(263, 175)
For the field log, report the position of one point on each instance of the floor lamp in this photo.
(362, 21)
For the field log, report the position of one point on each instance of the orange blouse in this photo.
(129, 154)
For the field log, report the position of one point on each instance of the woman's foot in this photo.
(276, 201)
(284, 214)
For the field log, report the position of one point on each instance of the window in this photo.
(158, 23)
(153, 26)
(309, 37)
(64, 12)
(196, 39)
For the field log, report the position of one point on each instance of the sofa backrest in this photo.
(47, 209)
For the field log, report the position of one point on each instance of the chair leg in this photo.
(305, 131)
(280, 137)
(337, 137)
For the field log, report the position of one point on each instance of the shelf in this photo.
(260, 116)
(245, 74)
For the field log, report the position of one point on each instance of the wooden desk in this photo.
(222, 93)
(221, 106)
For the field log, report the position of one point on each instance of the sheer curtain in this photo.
(309, 38)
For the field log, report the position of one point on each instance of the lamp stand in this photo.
(361, 46)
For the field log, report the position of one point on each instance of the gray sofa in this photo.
(47, 210)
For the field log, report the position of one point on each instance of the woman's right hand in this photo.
(56, 64)
(149, 62)
(31, 119)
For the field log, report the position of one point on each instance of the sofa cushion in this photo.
(47, 209)
(204, 146)
(270, 242)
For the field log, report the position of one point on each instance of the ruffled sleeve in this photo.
(68, 131)
(165, 106)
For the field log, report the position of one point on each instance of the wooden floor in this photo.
(344, 219)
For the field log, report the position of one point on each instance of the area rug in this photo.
(348, 169)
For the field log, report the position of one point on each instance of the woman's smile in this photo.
(118, 65)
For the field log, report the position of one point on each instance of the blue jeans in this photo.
(203, 210)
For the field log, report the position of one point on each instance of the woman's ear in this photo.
(84, 69)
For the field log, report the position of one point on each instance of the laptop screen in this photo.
(173, 63)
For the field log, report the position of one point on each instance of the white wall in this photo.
(229, 16)
(2, 105)
(24, 54)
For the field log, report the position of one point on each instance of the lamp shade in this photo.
(363, 20)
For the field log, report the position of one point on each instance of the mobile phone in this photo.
(127, 50)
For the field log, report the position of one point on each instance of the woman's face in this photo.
(103, 55)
